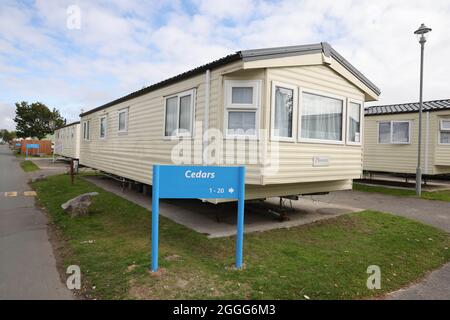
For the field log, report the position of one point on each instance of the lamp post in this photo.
(421, 34)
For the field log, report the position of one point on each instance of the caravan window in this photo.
(354, 123)
(394, 132)
(241, 107)
(103, 127)
(179, 114)
(284, 106)
(242, 122)
(321, 118)
(86, 126)
(444, 134)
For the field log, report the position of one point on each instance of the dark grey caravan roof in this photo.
(249, 55)
(434, 105)
(68, 125)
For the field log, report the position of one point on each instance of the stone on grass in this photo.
(79, 206)
(40, 177)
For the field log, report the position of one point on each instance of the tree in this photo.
(6, 135)
(36, 120)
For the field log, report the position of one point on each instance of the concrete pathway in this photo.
(48, 167)
(436, 213)
(27, 263)
(220, 221)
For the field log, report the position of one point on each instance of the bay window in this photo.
(394, 132)
(321, 118)
(179, 114)
(444, 132)
(354, 123)
(242, 100)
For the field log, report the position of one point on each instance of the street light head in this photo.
(422, 33)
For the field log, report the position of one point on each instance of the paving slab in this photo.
(220, 220)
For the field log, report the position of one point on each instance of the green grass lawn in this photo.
(325, 260)
(443, 195)
(28, 166)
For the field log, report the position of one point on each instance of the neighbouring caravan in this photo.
(391, 138)
(292, 115)
(67, 141)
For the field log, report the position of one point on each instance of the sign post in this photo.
(202, 182)
(31, 146)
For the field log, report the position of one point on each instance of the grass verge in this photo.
(443, 195)
(325, 260)
(28, 166)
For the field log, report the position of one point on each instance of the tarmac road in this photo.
(27, 263)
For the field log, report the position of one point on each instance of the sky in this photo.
(77, 55)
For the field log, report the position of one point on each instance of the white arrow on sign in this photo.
(230, 190)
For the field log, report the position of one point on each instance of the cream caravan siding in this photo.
(131, 155)
(296, 158)
(253, 191)
(397, 158)
(442, 151)
(67, 141)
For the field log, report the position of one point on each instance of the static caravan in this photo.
(67, 141)
(292, 115)
(391, 138)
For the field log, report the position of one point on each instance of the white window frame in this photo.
(255, 107)
(192, 93)
(442, 129)
(392, 131)
(294, 89)
(86, 130)
(361, 122)
(126, 111)
(344, 117)
(100, 127)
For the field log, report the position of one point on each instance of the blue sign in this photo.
(18, 144)
(31, 146)
(198, 182)
(204, 182)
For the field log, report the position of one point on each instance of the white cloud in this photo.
(124, 45)
(7, 114)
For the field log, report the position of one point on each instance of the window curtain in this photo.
(241, 122)
(283, 112)
(171, 115)
(354, 122)
(122, 121)
(384, 132)
(445, 136)
(400, 132)
(242, 95)
(102, 127)
(185, 114)
(321, 117)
